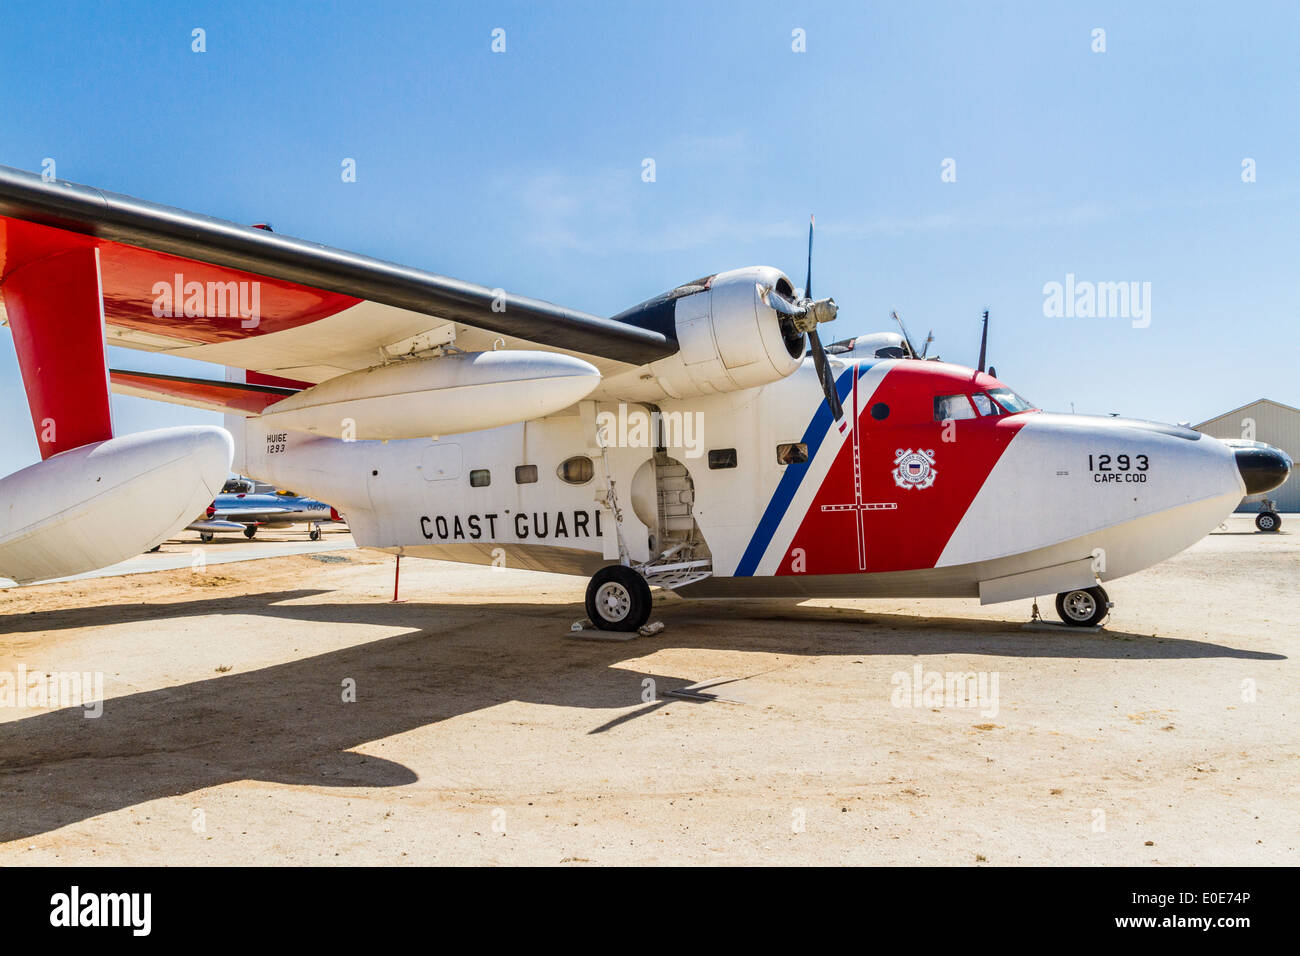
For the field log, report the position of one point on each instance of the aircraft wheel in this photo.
(1268, 521)
(250, 530)
(205, 537)
(1084, 607)
(618, 599)
(314, 534)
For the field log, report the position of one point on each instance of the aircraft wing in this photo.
(296, 312)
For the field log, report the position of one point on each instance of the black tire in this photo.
(250, 530)
(314, 534)
(1268, 521)
(618, 599)
(1083, 607)
(205, 537)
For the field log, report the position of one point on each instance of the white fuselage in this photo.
(1016, 504)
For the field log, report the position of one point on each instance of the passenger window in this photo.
(722, 458)
(525, 474)
(791, 453)
(983, 404)
(577, 470)
(480, 478)
(952, 407)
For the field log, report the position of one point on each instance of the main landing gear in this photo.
(618, 599)
(1084, 607)
(314, 533)
(249, 531)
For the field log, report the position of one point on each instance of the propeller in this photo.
(802, 317)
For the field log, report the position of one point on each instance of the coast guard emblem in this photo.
(915, 469)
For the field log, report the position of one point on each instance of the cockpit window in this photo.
(984, 405)
(952, 408)
(1010, 400)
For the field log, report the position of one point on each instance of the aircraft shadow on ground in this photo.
(287, 723)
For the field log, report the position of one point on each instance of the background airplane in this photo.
(247, 511)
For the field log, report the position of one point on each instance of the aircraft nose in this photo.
(1262, 467)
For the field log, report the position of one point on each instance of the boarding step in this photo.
(673, 576)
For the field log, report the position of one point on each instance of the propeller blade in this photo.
(907, 339)
(806, 316)
(807, 284)
(826, 375)
(984, 339)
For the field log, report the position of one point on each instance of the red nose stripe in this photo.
(907, 507)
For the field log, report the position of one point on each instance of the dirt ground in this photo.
(481, 732)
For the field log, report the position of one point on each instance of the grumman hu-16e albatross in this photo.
(687, 443)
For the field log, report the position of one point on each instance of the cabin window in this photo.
(983, 404)
(952, 408)
(525, 474)
(722, 458)
(880, 411)
(480, 478)
(791, 453)
(577, 470)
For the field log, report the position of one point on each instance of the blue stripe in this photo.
(816, 432)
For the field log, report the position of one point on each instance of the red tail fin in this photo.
(56, 314)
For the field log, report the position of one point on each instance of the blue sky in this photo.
(523, 169)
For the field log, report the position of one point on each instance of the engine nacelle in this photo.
(729, 337)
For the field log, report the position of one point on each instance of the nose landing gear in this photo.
(1083, 607)
(1267, 520)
